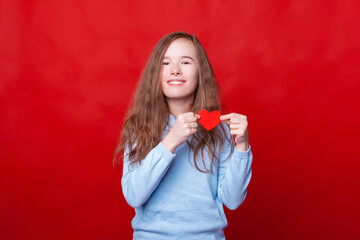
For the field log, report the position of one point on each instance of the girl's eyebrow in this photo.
(182, 57)
(187, 57)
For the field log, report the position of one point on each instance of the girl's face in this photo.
(179, 77)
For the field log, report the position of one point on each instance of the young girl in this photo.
(176, 174)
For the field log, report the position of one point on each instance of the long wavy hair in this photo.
(148, 114)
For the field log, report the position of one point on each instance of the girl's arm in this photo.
(139, 181)
(234, 175)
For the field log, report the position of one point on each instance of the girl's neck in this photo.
(179, 106)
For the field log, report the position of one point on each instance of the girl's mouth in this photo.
(176, 83)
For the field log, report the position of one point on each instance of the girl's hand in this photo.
(184, 126)
(239, 128)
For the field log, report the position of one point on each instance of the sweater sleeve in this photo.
(139, 181)
(234, 175)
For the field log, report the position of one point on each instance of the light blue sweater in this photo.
(173, 200)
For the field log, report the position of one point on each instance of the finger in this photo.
(232, 132)
(242, 125)
(236, 120)
(192, 125)
(232, 115)
(190, 131)
(227, 116)
(185, 115)
(237, 132)
(227, 122)
(235, 126)
(190, 119)
(188, 114)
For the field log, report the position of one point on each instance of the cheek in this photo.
(162, 77)
(195, 75)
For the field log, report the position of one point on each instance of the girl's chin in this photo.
(179, 97)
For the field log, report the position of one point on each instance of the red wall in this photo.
(68, 69)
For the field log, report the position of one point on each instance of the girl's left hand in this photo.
(239, 128)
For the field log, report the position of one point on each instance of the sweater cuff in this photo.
(164, 152)
(241, 154)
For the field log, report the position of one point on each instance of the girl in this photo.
(176, 174)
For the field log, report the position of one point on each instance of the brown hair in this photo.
(148, 116)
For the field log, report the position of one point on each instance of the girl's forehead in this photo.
(180, 47)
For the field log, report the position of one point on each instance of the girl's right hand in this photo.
(184, 126)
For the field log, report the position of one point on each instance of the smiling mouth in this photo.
(176, 82)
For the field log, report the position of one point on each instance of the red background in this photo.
(68, 69)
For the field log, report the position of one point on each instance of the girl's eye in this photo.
(165, 63)
(186, 62)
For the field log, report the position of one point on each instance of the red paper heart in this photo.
(209, 120)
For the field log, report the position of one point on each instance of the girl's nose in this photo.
(175, 70)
